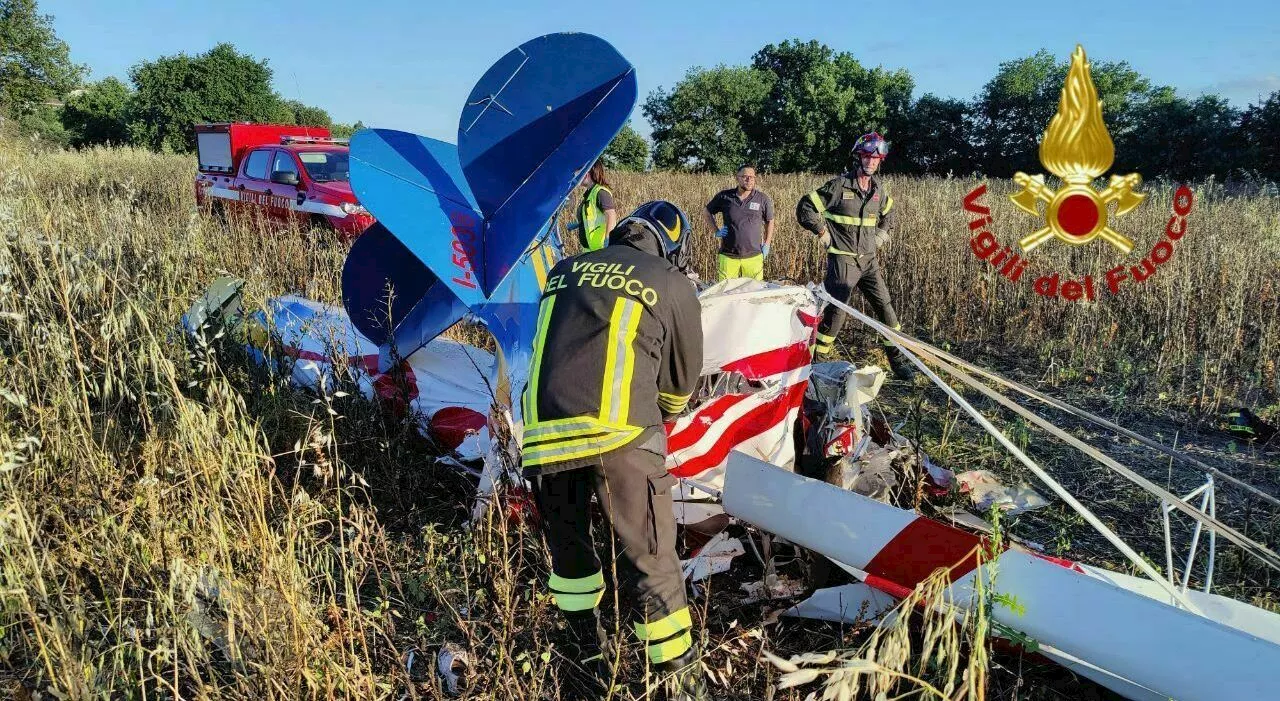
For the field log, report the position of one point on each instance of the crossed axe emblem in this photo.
(1077, 214)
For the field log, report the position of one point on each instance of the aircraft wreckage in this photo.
(467, 231)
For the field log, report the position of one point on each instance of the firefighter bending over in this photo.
(618, 350)
(852, 216)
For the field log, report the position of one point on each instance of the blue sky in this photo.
(409, 65)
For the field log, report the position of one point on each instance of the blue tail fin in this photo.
(532, 124)
(392, 298)
(415, 187)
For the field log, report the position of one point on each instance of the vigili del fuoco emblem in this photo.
(1077, 148)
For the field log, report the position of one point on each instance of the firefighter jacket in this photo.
(858, 221)
(618, 348)
(592, 234)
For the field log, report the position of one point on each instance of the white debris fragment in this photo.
(451, 664)
(713, 558)
(986, 491)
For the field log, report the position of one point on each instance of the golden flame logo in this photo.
(1077, 148)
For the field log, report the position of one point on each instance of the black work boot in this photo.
(903, 369)
(589, 654)
(683, 678)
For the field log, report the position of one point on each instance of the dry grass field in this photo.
(177, 524)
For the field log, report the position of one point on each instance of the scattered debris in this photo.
(452, 664)
(784, 587)
(1246, 424)
(986, 491)
(713, 558)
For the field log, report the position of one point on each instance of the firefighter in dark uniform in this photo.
(853, 216)
(618, 350)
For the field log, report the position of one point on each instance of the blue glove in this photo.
(766, 250)
(724, 231)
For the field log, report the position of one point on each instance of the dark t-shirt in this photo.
(604, 201)
(744, 219)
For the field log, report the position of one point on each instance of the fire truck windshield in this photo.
(326, 166)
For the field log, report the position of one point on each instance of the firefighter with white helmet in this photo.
(853, 217)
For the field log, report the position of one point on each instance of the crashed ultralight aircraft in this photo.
(468, 230)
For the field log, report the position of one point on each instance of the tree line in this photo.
(44, 92)
(798, 106)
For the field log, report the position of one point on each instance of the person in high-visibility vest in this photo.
(748, 227)
(852, 216)
(597, 212)
(617, 351)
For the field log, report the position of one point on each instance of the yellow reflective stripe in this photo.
(578, 602)
(576, 585)
(573, 450)
(670, 649)
(823, 338)
(562, 428)
(673, 403)
(577, 594)
(672, 408)
(535, 364)
(619, 363)
(666, 626)
(888, 205)
(608, 439)
(839, 252)
(841, 218)
(852, 221)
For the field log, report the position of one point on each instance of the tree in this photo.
(306, 115)
(98, 114)
(1013, 110)
(1260, 133)
(176, 92)
(701, 123)
(937, 137)
(345, 131)
(35, 65)
(820, 102)
(1187, 139)
(627, 151)
(1015, 107)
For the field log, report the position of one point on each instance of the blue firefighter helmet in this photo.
(669, 225)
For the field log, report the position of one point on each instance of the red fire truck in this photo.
(286, 174)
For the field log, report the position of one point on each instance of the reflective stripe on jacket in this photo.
(618, 347)
(853, 217)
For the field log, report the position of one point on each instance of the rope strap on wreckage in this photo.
(1249, 545)
(1099, 421)
(941, 358)
(900, 341)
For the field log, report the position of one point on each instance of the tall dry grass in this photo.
(1205, 330)
(176, 524)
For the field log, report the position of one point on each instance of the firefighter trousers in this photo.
(844, 274)
(634, 491)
